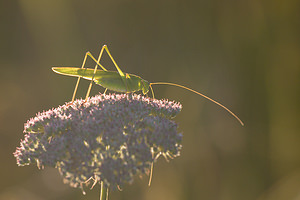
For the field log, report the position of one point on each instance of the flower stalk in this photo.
(103, 192)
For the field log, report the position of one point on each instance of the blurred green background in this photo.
(245, 54)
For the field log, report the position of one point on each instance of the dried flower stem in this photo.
(103, 192)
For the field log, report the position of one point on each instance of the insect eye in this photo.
(145, 86)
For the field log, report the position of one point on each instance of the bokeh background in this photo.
(245, 54)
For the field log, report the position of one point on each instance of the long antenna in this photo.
(181, 86)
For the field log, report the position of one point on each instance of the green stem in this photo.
(103, 192)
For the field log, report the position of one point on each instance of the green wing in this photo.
(107, 79)
(85, 73)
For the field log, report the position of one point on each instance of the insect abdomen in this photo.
(113, 81)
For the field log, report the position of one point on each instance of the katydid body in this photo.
(117, 80)
(107, 79)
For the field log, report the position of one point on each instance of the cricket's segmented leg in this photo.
(83, 64)
(76, 87)
(152, 91)
(118, 69)
(112, 59)
(95, 69)
(105, 91)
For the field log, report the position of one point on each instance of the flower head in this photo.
(108, 137)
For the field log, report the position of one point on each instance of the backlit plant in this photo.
(108, 138)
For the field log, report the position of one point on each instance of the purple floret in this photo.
(109, 138)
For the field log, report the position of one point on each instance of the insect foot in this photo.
(108, 138)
